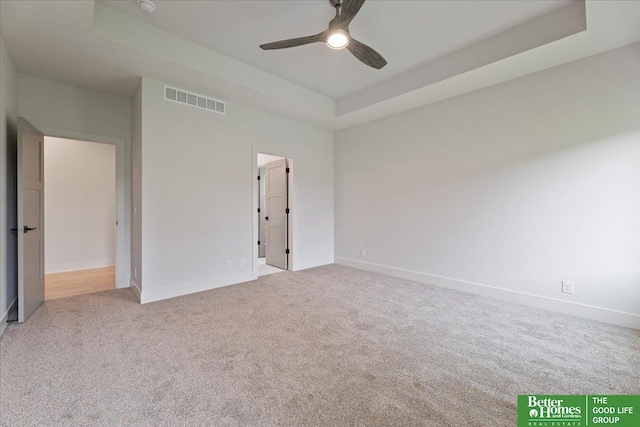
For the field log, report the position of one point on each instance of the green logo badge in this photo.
(578, 410)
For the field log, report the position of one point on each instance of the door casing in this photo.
(123, 234)
(292, 206)
(262, 205)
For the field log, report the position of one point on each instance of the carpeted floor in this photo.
(327, 346)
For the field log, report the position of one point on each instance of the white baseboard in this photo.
(135, 289)
(311, 263)
(606, 315)
(152, 295)
(10, 314)
(74, 266)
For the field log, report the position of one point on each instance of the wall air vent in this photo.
(194, 100)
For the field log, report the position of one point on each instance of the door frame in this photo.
(262, 183)
(255, 205)
(123, 233)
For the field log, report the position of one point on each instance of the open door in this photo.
(276, 192)
(30, 219)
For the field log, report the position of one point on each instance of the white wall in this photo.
(80, 204)
(63, 110)
(517, 186)
(8, 153)
(56, 105)
(136, 191)
(197, 187)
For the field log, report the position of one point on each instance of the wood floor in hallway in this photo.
(72, 283)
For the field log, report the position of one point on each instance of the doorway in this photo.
(272, 222)
(80, 217)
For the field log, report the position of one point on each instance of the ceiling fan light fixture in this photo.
(338, 39)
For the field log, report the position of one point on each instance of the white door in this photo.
(30, 219)
(276, 251)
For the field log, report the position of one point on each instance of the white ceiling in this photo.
(211, 47)
(406, 33)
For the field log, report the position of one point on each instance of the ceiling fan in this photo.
(337, 36)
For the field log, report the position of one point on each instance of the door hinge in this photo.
(258, 177)
(287, 170)
(287, 211)
(116, 222)
(287, 251)
(258, 210)
(258, 241)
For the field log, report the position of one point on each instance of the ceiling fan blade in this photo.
(350, 9)
(366, 54)
(282, 44)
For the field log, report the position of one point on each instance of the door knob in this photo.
(266, 218)
(28, 229)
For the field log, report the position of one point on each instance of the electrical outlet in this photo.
(363, 253)
(567, 287)
(228, 265)
(242, 263)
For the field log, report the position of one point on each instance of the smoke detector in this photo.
(146, 6)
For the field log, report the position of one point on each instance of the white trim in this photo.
(255, 204)
(193, 287)
(12, 312)
(75, 266)
(606, 315)
(136, 289)
(123, 195)
(312, 263)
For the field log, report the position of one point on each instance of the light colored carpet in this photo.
(327, 346)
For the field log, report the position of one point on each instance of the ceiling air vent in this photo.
(194, 100)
